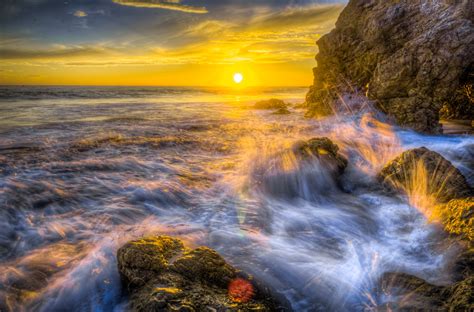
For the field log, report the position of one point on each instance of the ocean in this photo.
(85, 169)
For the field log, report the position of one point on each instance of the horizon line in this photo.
(149, 86)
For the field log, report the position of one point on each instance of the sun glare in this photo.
(238, 77)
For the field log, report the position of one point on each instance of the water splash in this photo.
(225, 178)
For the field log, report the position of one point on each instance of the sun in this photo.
(238, 78)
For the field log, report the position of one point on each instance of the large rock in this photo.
(309, 169)
(410, 293)
(421, 172)
(415, 294)
(161, 274)
(411, 56)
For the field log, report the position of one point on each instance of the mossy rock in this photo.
(161, 274)
(323, 149)
(458, 218)
(270, 104)
(423, 170)
(206, 265)
(139, 260)
(461, 295)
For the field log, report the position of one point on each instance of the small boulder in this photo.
(161, 274)
(282, 111)
(270, 104)
(421, 170)
(324, 150)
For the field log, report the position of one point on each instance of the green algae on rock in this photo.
(411, 57)
(163, 275)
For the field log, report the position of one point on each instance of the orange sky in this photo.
(270, 47)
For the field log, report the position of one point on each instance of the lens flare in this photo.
(240, 290)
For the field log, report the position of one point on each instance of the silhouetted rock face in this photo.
(411, 57)
(161, 274)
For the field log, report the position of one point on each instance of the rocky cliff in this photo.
(414, 58)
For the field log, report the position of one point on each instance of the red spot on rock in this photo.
(240, 290)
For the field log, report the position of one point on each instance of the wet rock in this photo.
(140, 260)
(424, 170)
(464, 264)
(324, 150)
(205, 264)
(411, 57)
(461, 295)
(410, 293)
(163, 275)
(427, 173)
(271, 104)
(282, 111)
(309, 169)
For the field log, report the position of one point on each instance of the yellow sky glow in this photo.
(272, 49)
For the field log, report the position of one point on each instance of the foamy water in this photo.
(82, 170)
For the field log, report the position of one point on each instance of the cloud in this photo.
(80, 13)
(259, 36)
(267, 36)
(162, 4)
(297, 17)
(59, 52)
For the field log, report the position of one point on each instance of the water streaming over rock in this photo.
(82, 170)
